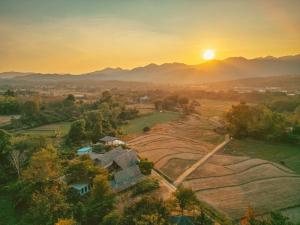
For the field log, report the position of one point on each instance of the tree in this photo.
(147, 211)
(101, 200)
(66, 222)
(203, 219)
(70, 97)
(44, 168)
(158, 105)
(93, 125)
(4, 142)
(30, 108)
(185, 198)
(5, 148)
(10, 93)
(82, 169)
(47, 206)
(77, 131)
(146, 129)
(112, 218)
(146, 166)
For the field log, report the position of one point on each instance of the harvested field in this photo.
(174, 146)
(176, 166)
(232, 184)
(288, 155)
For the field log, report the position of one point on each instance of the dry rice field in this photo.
(175, 146)
(231, 184)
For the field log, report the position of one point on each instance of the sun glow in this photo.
(208, 54)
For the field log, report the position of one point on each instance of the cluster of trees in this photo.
(174, 103)
(104, 118)
(275, 218)
(40, 187)
(259, 122)
(9, 105)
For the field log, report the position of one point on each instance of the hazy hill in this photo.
(285, 82)
(216, 70)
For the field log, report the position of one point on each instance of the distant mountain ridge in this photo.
(211, 71)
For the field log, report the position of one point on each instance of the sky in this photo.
(77, 36)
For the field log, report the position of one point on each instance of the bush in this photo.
(99, 148)
(145, 186)
(146, 129)
(146, 166)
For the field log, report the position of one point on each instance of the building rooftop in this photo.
(79, 186)
(108, 138)
(126, 178)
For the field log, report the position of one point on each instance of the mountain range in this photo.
(178, 73)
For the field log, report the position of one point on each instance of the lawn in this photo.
(289, 155)
(136, 126)
(49, 130)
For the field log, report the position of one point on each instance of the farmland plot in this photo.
(231, 184)
(175, 146)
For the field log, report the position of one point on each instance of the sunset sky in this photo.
(75, 36)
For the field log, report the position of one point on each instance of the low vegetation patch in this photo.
(137, 125)
(147, 185)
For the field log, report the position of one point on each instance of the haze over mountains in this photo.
(178, 73)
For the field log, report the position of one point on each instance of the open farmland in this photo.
(231, 184)
(49, 130)
(288, 155)
(175, 146)
(214, 108)
(136, 126)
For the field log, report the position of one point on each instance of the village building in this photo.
(122, 164)
(81, 188)
(111, 141)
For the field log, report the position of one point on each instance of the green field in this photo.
(49, 130)
(289, 155)
(136, 126)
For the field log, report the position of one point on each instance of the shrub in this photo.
(145, 186)
(146, 129)
(146, 166)
(99, 148)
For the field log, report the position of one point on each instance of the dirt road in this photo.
(186, 173)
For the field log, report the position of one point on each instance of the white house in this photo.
(82, 188)
(112, 141)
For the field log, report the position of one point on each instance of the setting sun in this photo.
(208, 54)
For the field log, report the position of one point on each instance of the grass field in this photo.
(211, 108)
(288, 155)
(136, 126)
(48, 130)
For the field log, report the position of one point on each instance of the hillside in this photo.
(212, 71)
